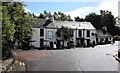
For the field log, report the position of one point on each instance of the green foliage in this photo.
(95, 20)
(61, 16)
(57, 16)
(104, 19)
(116, 38)
(109, 21)
(16, 25)
(7, 31)
(66, 33)
(41, 16)
(79, 19)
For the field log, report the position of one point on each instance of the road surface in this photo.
(98, 58)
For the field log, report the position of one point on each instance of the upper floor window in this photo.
(71, 34)
(58, 33)
(50, 34)
(88, 33)
(80, 33)
(41, 32)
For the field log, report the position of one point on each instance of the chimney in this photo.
(104, 28)
(51, 18)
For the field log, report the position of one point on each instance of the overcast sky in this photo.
(80, 8)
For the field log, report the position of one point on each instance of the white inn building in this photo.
(46, 34)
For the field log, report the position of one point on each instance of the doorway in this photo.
(41, 42)
(58, 44)
(51, 44)
(88, 42)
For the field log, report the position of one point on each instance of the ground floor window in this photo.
(88, 42)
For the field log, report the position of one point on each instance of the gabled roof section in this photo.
(39, 23)
(47, 23)
(101, 34)
(51, 23)
(71, 24)
(85, 25)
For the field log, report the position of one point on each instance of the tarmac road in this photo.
(98, 58)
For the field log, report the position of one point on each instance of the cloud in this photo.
(60, 0)
(37, 14)
(82, 12)
(27, 10)
(110, 5)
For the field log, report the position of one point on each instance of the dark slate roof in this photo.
(101, 34)
(39, 23)
(47, 22)
(58, 24)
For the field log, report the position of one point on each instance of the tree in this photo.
(95, 20)
(104, 19)
(109, 21)
(55, 15)
(41, 16)
(69, 18)
(34, 16)
(79, 19)
(62, 17)
(66, 33)
(47, 14)
(7, 31)
(21, 20)
(16, 25)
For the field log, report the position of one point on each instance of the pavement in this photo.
(99, 58)
(6, 65)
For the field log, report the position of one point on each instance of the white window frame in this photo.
(50, 34)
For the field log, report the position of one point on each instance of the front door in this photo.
(51, 44)
(82, 41)
(41, 42)
(58, 44)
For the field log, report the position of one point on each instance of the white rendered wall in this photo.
(46, 36)
(36, 37)
(74, 36)
(92, 38)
